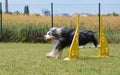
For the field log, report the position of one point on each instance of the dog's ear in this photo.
(54, 31)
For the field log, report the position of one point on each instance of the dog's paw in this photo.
(57, 57)
(48, 55)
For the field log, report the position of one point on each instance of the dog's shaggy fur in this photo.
(64, 36)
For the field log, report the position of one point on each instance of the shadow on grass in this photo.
(92, 57)
(89, 58)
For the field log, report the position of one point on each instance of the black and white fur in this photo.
(64, 36)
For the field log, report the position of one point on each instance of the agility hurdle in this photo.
(74, 48)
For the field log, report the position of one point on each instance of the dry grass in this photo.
(112, 22)
(25, 19)
(109, 22)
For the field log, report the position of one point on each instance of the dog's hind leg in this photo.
(94, 40)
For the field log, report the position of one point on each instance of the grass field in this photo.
(29, 59)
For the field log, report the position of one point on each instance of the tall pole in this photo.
(0, 22)
(99, 10)
(51, 14)
(6, 6)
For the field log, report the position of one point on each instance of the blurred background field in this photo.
(32, 28)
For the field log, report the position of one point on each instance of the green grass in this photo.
(29, 59)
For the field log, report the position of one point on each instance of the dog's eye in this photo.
(48, 33)
(54, 30)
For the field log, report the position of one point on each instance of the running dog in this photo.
(64, 37)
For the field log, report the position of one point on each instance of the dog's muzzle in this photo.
(49, 38)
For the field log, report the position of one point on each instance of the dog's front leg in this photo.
(59, 54)
(56, 52)
(53, 53)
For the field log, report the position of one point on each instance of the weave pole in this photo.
(0, 22)
(104, 49)
(51, 14)
(74, 48)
